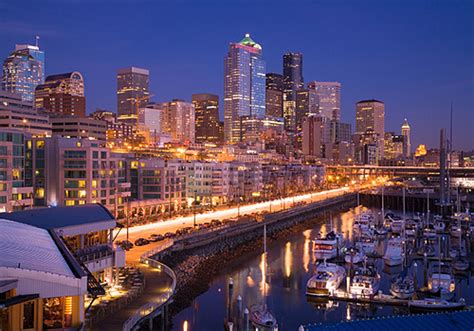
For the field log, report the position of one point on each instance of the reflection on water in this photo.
(290, 263)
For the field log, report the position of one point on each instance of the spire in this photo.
(405, 124)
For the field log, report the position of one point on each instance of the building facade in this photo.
(132, 93)
(292, 81)
(329, 98)
(370, 128)
(206, 118)
(274, 95)
(179, 121)
(244, 86)
(82, 127)
(18, 114)
(406, 139)
(15, 171)
(316, 136)
(23, 70)
(62, 95)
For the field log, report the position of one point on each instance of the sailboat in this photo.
(259, 315)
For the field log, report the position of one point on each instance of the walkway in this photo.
(156, 283)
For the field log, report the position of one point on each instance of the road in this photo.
(161, 227)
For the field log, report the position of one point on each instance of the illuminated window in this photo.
(82, 183)
(70, 203)
(82, 193)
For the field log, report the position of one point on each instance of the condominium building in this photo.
(179, 120)
(18, 114)
(74, 171)
(15, 171)
(329, 94)
(23, 70)
(244, 86)
(82, 127)
(62, 94)
(132, 93)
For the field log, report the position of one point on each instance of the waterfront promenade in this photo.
(158, 282)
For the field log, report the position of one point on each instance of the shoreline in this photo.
(196, 269)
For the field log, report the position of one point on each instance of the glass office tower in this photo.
(23, 70)
(244, 86)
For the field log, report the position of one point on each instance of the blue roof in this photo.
(462, 320)
(59, 217)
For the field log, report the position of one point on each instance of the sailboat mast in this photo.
(449, 147)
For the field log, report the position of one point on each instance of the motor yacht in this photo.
(326, 280)
(327, 247)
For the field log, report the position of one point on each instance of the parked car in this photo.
(215, 223)
(141, 242)
(125, 244)
(156, 237)
(170, 235)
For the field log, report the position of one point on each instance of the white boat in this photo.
(411, 227)
(262, 318)
(441, 281)
(461, 265)
(429, 231)
(327, 247)
(435, 305)
(366, 244)
(326, 280)
(397, 226)
(364, 222)
(259, 315)
(393, 254)
(366, 282)
(403, 288)
(354, 255)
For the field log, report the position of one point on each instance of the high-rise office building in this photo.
(132, 93)
(307, 102)
(329, 98)
(315, 133)
(206, 118)
(292, 82)
(179, 120)
(274, 95)
(23, 70)
(406, 138)
(340, 132)
(61, 95)
(244, 86)
(370, 130)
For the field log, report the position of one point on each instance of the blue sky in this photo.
(416, 56)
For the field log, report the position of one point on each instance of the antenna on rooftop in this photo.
(37, 40)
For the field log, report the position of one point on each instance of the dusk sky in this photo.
(416, 56)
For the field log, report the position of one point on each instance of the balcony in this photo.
(101, 257)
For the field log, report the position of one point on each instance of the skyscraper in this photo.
(206, 118)
(244, 86)
(274, 95)
(132, 93)
(329, 98)
(62, 94)
(315, 131)
(370, 129)
(292, 82)
(23, 70)
(179, 120)
(406, 138)
(307, 102)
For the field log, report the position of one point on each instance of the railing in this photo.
(150, 307)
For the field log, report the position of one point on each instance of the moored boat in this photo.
(435, 305)
(262, 318)
(327, 247)
(393, 255)
(403, 288)
(326, 280)
(366, 281)
(354, 255)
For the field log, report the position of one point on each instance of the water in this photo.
(290, 265)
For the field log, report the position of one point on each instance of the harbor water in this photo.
(291, 262)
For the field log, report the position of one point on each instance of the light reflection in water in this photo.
(288, 259)
(263, 272)
(185, 325)
(306, 250)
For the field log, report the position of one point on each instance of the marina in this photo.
(309, 277)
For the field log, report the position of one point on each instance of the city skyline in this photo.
(424, 77)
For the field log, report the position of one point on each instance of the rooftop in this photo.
(28, 247)
(463, 320)
(247, 41)
(60, 217)
(370, 100)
